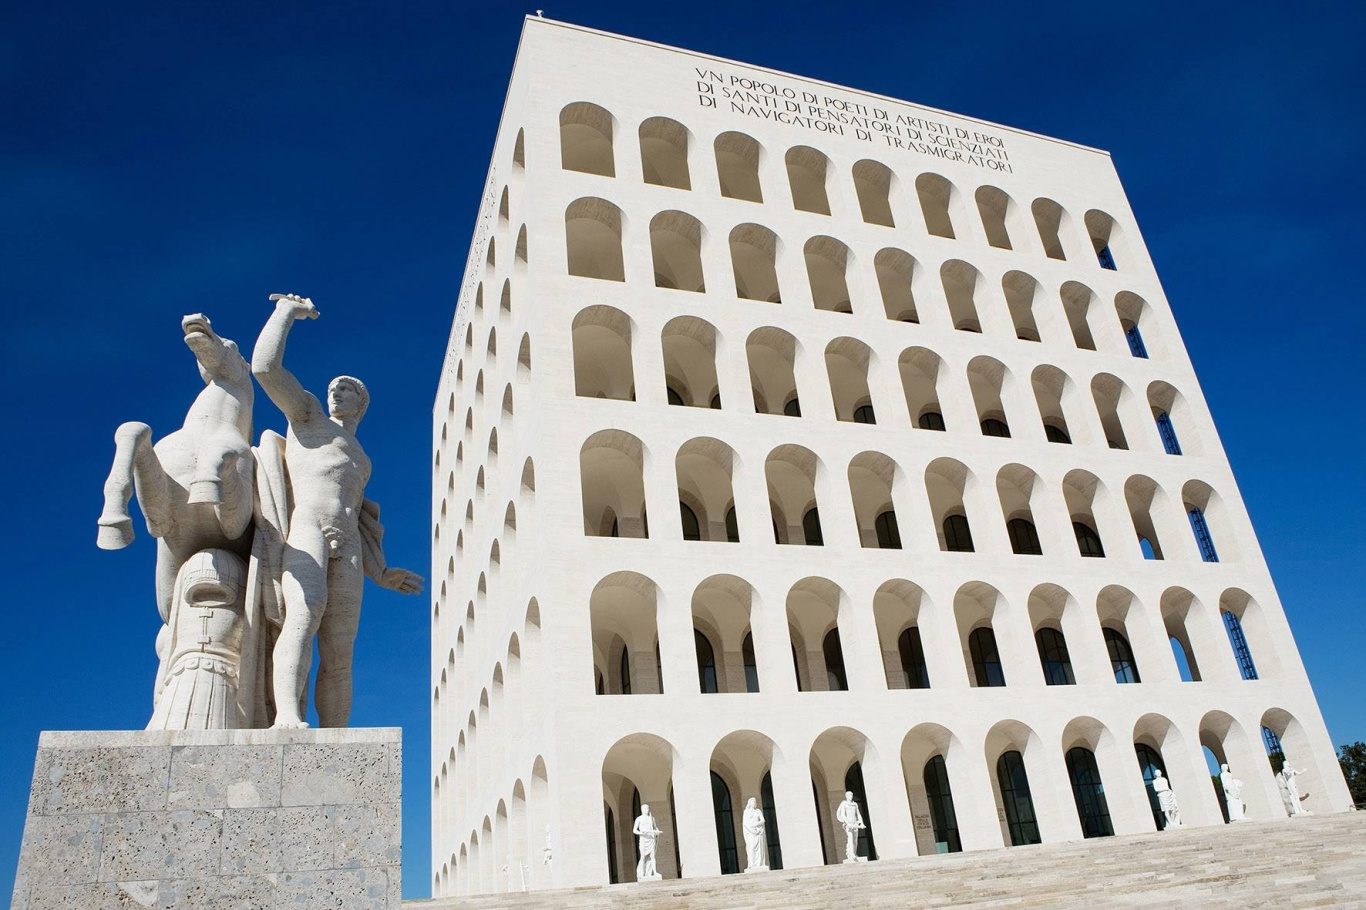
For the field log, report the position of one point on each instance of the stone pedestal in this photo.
(214, 820)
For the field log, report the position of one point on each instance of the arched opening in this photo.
(593, 235)
(1236, 768)
(1082, 740)
(1160, 747)
(772, 355)
(637, 774)
(704, 469)
(790, 471)
(1112, 608)
(847, 363)
(995, 207)
(896, 276)
(1210, 522)
(988, 379)
(827, 262)
(898, 615)
(871, 477)
(1076, 304)
(611, 470)
(976, 608)
(1146, 501)
(664, 153)
(737, 167)
(586, 139)
(690, 363)
(676, 247)
(1299, 778)
(1105, 236)
(807, 173)
(1051, 386)
(813, 612)
(721, 607)
(946, 483)
(602, 354)
(873, 184)
(838, 757)
(743, 761)
(1018, 489)
(960, 282)
(1170, 412)
(754, 258)
(1048, 218)
(936, 197)
(622, 612)
(1137, 323)
(1111, 395)
(1242, 612)
(1081, 492)
(1006, 746)
(920, 369)
(926, 754)
(1188, 631)
(1021, 292)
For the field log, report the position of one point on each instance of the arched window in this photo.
(1135, 339)
(931, 420)
(593, 239)
(835, 676)
(1234, 626)
(732, 526)
(793, 408)
(692, 530)
(1024, 537)
(872, 185)
(1089, 793)
(1121, 656)
(775, 849)
(625, 671)
(986, 659)
(994, 206)
(1101, 228)
(853, 783)
(811, 528)
(676, 249)
(753, 260)
(935, 195)
(1168, 433)
(864, 414)
(888, 534)
(706, 663)
(827, 265)
(806, 174)
(673, 397)
(664, 153)
(1150, 762)
(940, 798)
(751, 665)
(1048, 217)
(957, 534)
(1054, 433)
(912, 654)
(612, 875)
(1088, 541)
(635, 813)
(1200, 527)
(1016, 799)
(993, 426)
(1053, 657)
(725, 825)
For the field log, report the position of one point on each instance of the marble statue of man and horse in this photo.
(259, 549)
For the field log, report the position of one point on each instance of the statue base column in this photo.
(213, 818)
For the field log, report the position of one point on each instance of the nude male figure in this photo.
(324, 562)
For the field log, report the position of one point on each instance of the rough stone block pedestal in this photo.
(214, 820)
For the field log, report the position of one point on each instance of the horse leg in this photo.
(238, 483)
(206, 485)
(135, 467)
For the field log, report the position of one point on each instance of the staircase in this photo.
(1287, 863)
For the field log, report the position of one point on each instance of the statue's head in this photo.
(1223, 767)
(752, 804)
(347, 397)
(1157, 773)
(218, 358)
(645, 810)
(848, 796)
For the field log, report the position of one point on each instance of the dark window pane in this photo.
(913, 668)
(888, 534)
(1016, 799)
(793, 408)
(673, 396)
(811, 528)
(692, 530)
(957, 534)
(1234, 626)
(751, 665)
(835, 677)
(994, 427)
(986, 659)
(1053, 657)
(1024, 537)
(864, 414)
(732, 526)
(1202, 535)
(1088, 541)
(724, 815)
(706, 663)
(1121, 657)
(1089, 793)
(931, 420)
(1056, 434)
(941, 806)
(1168, 434)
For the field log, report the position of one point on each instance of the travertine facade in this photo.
(712, 313)
(213, 818)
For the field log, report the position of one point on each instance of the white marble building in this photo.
(704, 283)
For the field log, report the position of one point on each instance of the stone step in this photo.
(1302, 862)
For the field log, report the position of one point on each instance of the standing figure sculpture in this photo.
(1166, 801)
(647, 839)
(1233, 794)
(1290, 791)
(851, 817)
(326, 538)
(756, 837)
(197, 485)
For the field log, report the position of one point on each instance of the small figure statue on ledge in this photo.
(851, 817)
(647, 837)
(1166, 801)
(756, 837)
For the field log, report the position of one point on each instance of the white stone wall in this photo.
(520, 740)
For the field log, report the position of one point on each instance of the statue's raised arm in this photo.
(267, 359)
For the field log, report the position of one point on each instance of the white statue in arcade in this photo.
(756, 837)
(1290, 791)
(851, 817)
(1233, 794)
(647, 836)
(1166, 801)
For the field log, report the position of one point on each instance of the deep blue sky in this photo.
(158, 159)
